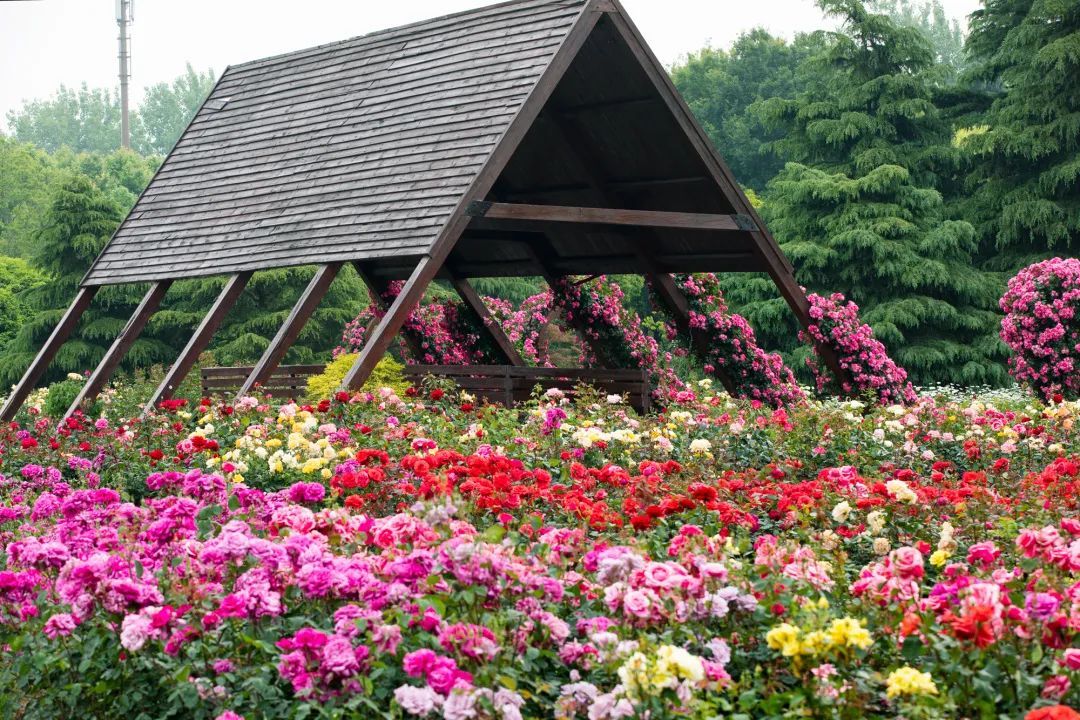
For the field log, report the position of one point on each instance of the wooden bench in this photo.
(287, 381)
(510, 385)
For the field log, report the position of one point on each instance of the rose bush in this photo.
(423, 555)
(1042, 327)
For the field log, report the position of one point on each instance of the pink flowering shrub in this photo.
(1042, 327)
(447, 332)
(597, 308)
(835, 324)
(732, 348)
(525, 324)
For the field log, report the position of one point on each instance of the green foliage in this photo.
(166, 110)
(16, 277)
(60, 396)
(87, 120)
(945, 34)
(77, 224)
(387, 373)
(859, 211)
(721, 85)
(1025, 187)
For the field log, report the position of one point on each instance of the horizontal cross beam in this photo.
(521, 212)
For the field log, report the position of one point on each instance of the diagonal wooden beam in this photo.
(498, 213)
(199, 341)
(121, 345)
(540, 258)
(377, 288)
(290, 330)
(379, 341)
(48, 351)
(476, 303)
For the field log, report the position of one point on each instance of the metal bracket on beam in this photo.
(478, 208)
(745, 222)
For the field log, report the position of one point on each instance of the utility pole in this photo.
(123, 18)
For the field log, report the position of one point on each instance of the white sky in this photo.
(44, 43)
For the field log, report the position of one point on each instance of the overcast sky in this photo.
(44, 43)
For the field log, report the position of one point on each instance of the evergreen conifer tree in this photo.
(1025, 187)
(77, 224)
(858, 211)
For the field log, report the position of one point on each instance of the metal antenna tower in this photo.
(124, 17)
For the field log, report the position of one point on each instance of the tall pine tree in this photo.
(77, 224)
(858, 211)
(1025, 187)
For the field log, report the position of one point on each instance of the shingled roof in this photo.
(352, 150)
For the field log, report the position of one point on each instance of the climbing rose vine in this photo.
(1042, 327)
(598, 306)
(447, 332)
(524, 325)
(732, 348)
(835, 324)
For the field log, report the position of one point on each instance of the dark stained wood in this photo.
(476, 303)
(378, 342)
(48, 351)
(285, 380)
(343, 151)
(120, 347)
(200, 340)
(307, 303)
(377, 289)
(492, 212)
(510, 385)
(779, 267)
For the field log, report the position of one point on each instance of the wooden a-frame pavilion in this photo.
(530, 138)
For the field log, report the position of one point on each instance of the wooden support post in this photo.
(199, 341)
(377, 289)
(539, 258)
(37, 368)
(473, 300)
(391, 323)
(668, 292)
(290, 329)
(120, 346)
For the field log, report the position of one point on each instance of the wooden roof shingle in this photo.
(353, 150)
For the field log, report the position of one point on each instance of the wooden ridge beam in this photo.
(476, 303)
(199, 341)
(48, 351)
(514, 212)
(290, 330)
(121, 345)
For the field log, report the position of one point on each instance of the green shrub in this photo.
(388, 373)
(60, 396)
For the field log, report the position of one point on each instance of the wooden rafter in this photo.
(377, 290)
(290, 330)
(200, 340)
(495, 332)
(496, 214)
(48, 351)
(120, 347)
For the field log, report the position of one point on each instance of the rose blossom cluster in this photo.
(732, 346)
(1042, 327)
(835, 324)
